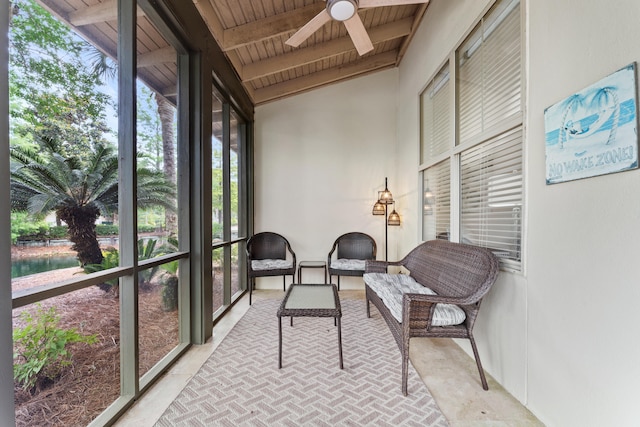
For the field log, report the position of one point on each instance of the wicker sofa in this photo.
(439, 297)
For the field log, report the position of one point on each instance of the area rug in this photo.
(241, 385)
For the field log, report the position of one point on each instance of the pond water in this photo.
(25, 266)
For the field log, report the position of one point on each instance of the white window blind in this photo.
(436, 201)
(435, 102)
(488, 119)
(488, 82)
(491, 196)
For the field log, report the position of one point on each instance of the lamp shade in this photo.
(394, 218)
(378, 209)
(386, 198)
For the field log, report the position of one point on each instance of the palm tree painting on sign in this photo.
(604, 105)
(594, 131)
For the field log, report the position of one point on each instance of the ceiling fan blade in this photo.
(378, 3)
(309, 28)
(358, 34)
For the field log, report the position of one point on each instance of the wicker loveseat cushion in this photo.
(391, 287)
(271, 264)
(348, 264)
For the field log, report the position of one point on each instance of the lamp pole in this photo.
(386, 198)
(386, 228)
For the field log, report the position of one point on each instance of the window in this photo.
(435, 104)
(437, 202)
(491, 195)
(228, 203)
(485, 145)
(488, 74)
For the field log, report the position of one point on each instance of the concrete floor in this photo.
(449, 373)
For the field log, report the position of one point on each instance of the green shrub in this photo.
(110, 259)
(58, 232)
(106, 230)
(24, 227)
(216, 230)
(40, 347)
(147, 250)
(146, 228)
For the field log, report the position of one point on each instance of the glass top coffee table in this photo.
(302, 300)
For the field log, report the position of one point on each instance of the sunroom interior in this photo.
(304, 151)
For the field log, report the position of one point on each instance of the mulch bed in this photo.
(92, 382)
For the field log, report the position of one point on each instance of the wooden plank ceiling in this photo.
(252, 34)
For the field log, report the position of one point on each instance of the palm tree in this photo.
(165, 112)
(103, 66)
(78, 191)
(602, 100)
(571, 105)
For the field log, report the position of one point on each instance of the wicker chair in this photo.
(459, 274)
(269, 254)
(353, 249)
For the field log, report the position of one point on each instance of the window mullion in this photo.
(127, 198)
(455, 197)
(226, 198)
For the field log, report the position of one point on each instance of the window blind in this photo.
(436, 201)
(489, 72)
(488, 116)
(436, 130)
(491, 196)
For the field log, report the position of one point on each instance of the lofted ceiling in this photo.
(252, 33)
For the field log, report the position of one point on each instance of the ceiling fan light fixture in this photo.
(341, 10)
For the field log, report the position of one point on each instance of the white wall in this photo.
(583, 251)
(561, 337)
(320, 159)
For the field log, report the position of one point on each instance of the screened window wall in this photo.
(106, 181)
(229, 225)
(472, 166)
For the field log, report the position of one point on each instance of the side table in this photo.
(312, 264)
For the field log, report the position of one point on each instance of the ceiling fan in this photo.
(347, 12)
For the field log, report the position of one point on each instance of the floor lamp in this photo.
(385, 198)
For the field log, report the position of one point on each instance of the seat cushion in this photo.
(391, 287)
(271, 264)
(348, 264)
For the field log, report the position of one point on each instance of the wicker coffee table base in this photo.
(303, 300)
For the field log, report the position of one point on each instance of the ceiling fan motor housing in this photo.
(341, 10)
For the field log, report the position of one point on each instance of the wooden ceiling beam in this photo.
(210, 18)
(106, 11)
(322, 51)
(169, 92)
(157, 57)
(301, 84)
(417, 18)
(267, 28)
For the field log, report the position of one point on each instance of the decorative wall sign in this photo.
(595, 131)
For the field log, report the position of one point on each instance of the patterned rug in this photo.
(241, 385)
